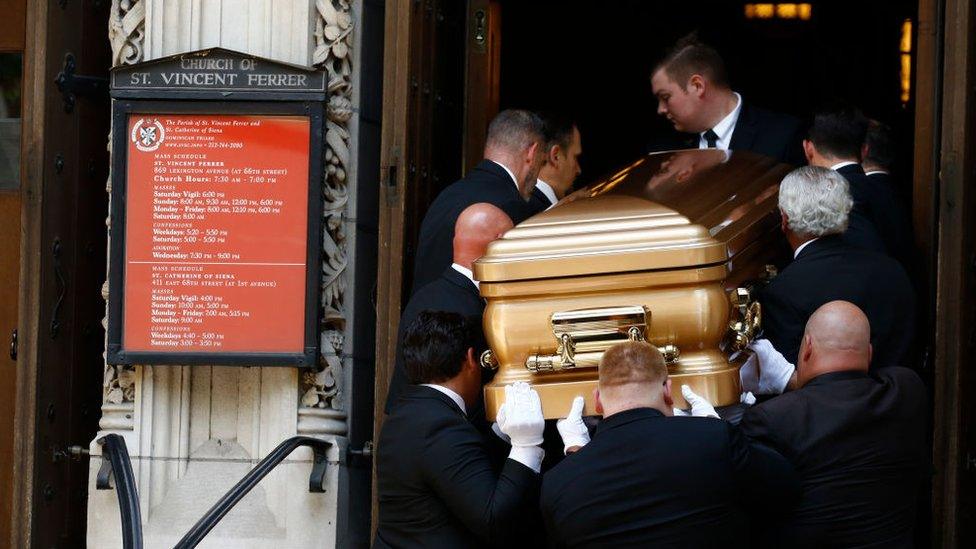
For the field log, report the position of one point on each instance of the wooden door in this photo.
(63, 249)
(12, 33)
(427, 107)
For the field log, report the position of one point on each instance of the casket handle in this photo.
(748, 319)
(584, 335)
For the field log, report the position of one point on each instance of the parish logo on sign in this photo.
(148, 134)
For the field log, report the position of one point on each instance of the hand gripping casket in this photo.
(666, 250)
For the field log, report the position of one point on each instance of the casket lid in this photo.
(668, 210)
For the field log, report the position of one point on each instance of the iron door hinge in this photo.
(71, 85)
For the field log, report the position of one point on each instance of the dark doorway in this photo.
(595, 60)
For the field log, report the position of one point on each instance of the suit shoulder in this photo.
(774, 118)
(905, 379)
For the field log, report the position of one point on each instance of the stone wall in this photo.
(193, 432)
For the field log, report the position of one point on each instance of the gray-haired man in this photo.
(814, 203)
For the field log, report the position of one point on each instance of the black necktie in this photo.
(711, 138)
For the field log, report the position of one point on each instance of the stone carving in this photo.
(127, 31)
(333, 53)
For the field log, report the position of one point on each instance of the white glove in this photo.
(747, 398)
(520, 416)
(766, 372)
(699, 406)
(572, 429)
(498, 433)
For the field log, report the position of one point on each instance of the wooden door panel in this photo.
(9, 275)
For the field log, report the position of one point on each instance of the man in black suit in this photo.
(561, 166)
(814, 204)
(505, 178)
(878, 154)
(835, 140)
(435, 482)
(647, 479)
(455, 290)
(856, 439)
(693, 92)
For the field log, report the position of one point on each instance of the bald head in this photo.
(837, 338)
(476, 227)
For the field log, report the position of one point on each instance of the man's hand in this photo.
(520, 416)
(766, 372)
(572, 429)
(699, 406)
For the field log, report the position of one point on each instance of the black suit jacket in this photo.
(486, 182)
(776, 135)
(828, 269)
(452, 293)
(878, 221)
(646, 480)
(857, 442)
(435, 482)
(893, 217)
(539, 201)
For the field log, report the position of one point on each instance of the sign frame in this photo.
(126, 103)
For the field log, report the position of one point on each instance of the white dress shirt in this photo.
(840, 165)
(510, 174)
(547, 191)
(872, 172)
(801, 246)
(454, 396)
(724, 128)
(466, 272)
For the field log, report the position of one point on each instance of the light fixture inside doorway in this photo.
(802, 12)
(905, 47)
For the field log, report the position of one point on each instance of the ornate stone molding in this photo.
(126, 33)
(322, 400)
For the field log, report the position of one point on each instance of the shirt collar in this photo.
(801, 246)
(467, 273)
(510, 174)
(725, 127)
(843, 164)
(546, 189)
(451, 394)
(872, 172)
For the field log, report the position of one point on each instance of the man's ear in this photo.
(469, 361)
(864, 151)
(668, 400)
(870, 353)
(598, 402)
(530, 153)
(696, 85)
(784, 222)
(809, 150)
(553, 157)
(806, 348)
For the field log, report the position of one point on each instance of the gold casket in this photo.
(665, 250)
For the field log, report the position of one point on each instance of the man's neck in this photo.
(816, 371)
(725, 103)
(506, 164)
(613, 409)
(797, 240)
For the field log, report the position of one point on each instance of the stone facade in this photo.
(193, 432)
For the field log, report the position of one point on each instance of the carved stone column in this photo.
(193, 432)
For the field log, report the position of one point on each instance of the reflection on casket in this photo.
(655, 251)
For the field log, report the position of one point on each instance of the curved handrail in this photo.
(119, 465)
(252, 478)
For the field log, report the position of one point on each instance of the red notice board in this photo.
(218, 263)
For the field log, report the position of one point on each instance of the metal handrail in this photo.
(316, 483)
(119, 465)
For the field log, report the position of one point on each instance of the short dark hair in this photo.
(435, 345)
(881, 144)
(515, 130)
(559, 129)
(838, 130)
(690, 56)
